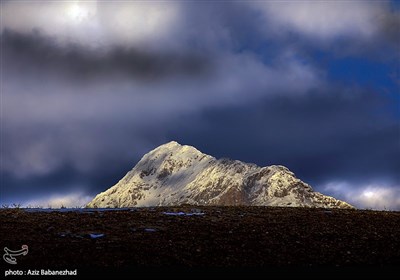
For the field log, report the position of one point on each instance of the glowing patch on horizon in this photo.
(369, 194)
(376, 195)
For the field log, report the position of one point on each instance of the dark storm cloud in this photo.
(344, 28)
(28, 51)
(389, 23)
(44, 160)
(321, 138)
(221, 26)
(65, 179)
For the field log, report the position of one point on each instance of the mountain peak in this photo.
(174, 146)
(174, 174)
(170, 144)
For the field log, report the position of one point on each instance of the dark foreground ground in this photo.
(213, 238)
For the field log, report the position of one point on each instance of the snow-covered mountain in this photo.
(173, 174)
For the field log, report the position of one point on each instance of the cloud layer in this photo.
(88, 88)
(58, 201)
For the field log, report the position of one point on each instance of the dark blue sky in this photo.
(87, 88)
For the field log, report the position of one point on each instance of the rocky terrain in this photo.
(205, 238)
(175, 174)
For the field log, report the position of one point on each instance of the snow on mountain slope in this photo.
(173, 174)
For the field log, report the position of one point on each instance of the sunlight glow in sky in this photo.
(77, 13)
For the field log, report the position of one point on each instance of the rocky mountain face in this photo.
(175, 174)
